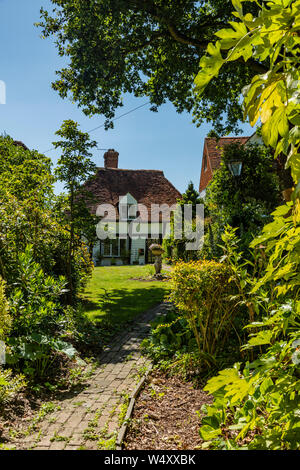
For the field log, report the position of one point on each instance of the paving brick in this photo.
(115, 374)
(63, 416)
(74, 420)
(76, 440)
(65, 431)
(82, 426)
(59, 445)
(45, 441)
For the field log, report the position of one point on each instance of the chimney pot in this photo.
(111, 158)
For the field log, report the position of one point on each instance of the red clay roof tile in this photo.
(146, 186)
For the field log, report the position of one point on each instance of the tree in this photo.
(272, 97)
(26, 192)
(31, 214)
(176, 248)
(73, 168)
(146, 47)
(191, 196)
(24, 173)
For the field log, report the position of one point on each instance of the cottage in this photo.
(132, 193)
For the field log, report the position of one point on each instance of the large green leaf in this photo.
(207, 432)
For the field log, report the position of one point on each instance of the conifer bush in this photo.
(202, 291)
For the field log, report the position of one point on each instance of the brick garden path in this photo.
(92, 418)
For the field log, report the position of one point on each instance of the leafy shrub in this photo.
(281, 241)
(256, 405)
(34, 353)
(202, 290)
(74, 326)
(35, 297)
(5, 318)
(169, 334)
(9, 385)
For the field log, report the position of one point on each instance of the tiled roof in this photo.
(215, 147)
(213, 151)
(18, 143)
(146, 186)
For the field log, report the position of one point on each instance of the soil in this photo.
(17, 414)
(166, 416)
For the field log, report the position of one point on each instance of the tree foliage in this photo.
(145, 47)
(256, 405)
(175, 249)
(272, 97)
(73, 168)
(26, 209)
(31, 214)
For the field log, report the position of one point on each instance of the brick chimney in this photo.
(111, 159)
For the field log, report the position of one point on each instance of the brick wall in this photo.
(206, 174)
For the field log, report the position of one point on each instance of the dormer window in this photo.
(205, 163)
(128, 207)
(132, 211)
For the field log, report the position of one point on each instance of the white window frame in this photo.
(111, 255)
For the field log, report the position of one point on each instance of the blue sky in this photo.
(33, 111)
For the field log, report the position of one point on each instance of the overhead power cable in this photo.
(113, 120)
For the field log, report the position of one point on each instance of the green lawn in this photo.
(111, 298)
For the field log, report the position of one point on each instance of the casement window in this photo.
(114, 248)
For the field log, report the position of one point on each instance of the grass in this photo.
(112, 298)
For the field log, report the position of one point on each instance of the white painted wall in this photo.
(255, 139)
(96, 252)
(136, 244)
(203, 193)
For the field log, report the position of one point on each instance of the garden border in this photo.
(133, 396)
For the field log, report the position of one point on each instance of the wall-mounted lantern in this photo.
(235, 168)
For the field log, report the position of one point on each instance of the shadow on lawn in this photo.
(117, 306)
